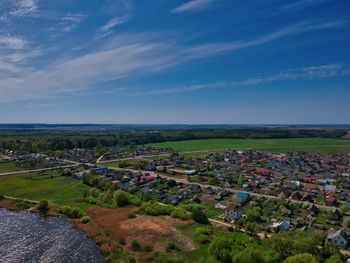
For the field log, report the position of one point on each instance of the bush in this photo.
(121, 198)
(203, 239)
(301, 258)
(181, 214)
(43, 206)
(2, 197)
(70, 212)
(170, 246)
(135, 244)
(155, 209)
(200, 217)
(148, 248)
(131, 214)
(85, 219)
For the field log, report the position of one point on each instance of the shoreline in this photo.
(11, 205)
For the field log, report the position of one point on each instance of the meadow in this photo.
(50, 186)
(6, 166)
(322, 145)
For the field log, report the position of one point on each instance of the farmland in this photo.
(323, 145)
(57, 189)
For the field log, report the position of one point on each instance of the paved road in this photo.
(38, 170)
(184, 181)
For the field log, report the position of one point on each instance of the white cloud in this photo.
(124, 57)
(312, 72)
(194, 5)
(116, 21)
(70, 22)
(12, 42)
(24, 8)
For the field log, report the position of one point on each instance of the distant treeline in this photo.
(53, 140)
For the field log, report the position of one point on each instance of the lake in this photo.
(31, 237)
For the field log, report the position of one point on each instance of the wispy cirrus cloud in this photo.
(70, 22)
(114, 22)
(311, 72)
(193, 6)
(8, 41)
(129, 55)
(24, 8)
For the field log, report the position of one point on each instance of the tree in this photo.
(120, 198)
(221, 249)
(301, 258)
(43, 206)
(334, 259)
(249, 255)
(200, 217)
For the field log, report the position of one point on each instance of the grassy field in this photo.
(322, 145)
(8, 167)
(58, 190)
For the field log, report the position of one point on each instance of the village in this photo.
(251, 190)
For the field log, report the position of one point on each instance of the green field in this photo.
(322, 145)
(8, 167)
(58, 190)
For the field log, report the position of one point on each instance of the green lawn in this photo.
(276, 145)
(58, 190)
(8, 167)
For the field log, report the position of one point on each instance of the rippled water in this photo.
(29, 237)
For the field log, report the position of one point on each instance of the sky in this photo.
(175, 61)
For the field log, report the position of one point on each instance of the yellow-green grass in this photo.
(322, 145)
(58, 190)
(9, 167)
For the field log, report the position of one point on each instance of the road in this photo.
(38, 170)
(184, 181)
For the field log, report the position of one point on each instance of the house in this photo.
(330, 189)
(297, 196)
(313, 210)
(336, 215)
(101, 170)
(209, 191)
(281, 226)
(340, 238)
(233, 212)
(285, 193)
(331, 200)
(242, 197)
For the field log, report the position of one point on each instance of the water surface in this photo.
(30, 237)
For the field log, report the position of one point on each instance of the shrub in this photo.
(2, 197)
(85, 219)
(170, 246)
(148, 248)
(301, 258)
(70, 212)
(200, 217)
(203, 239)
(43, 206)
(155, 209)
(121, 198)
(131, 214)
(135, 244)
(181, 214)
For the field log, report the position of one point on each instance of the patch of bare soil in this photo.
(112, 226)
(347, 136)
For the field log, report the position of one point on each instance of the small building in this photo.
(340, 238)
(242, 197)
(313, 210)
(331, 200)
(330, 189)
(281, 226)
(233, 212)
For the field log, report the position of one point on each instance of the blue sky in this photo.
(175, 61)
